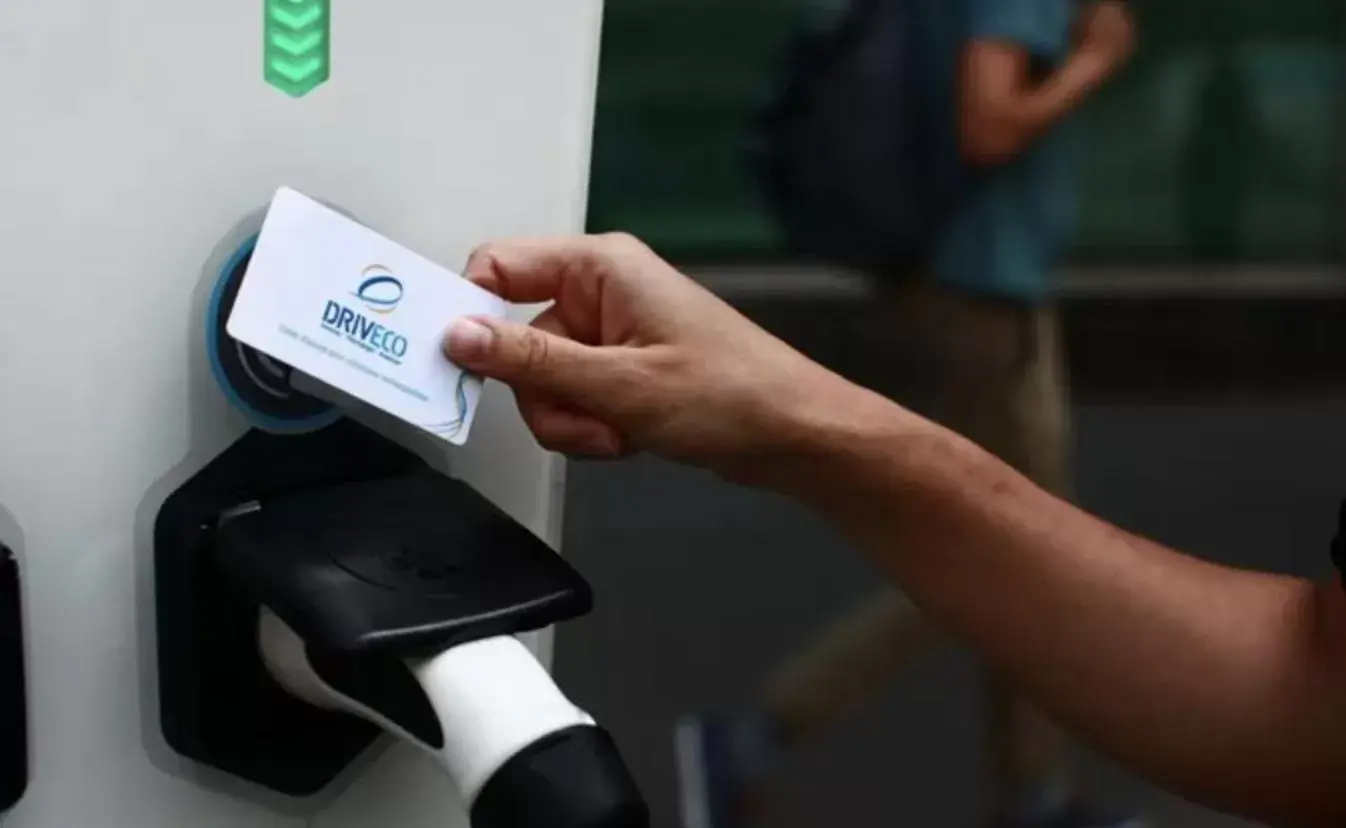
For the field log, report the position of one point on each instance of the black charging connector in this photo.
(13, 696)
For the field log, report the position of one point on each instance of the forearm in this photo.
(998, 128)
(1224, 685)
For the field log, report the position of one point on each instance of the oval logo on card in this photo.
(379, 289)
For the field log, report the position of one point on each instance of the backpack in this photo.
(845, 149)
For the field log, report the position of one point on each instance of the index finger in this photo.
(532, 270)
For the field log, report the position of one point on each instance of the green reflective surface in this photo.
(1219, 143)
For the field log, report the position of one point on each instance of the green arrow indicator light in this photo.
(298, 48)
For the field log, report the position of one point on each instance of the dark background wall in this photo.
(1204, 310)
(1219, 141)
(703, 586)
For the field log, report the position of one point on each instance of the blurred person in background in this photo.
(1222, 684)
(1225, 145)
(975, 322)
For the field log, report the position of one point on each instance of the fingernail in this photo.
(469, 341)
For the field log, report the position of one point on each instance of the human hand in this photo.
(1107, 33)
(633, 355)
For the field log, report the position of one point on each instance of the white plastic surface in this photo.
(137, 134)
(492, 698)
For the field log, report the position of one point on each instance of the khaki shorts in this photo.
(993, 370)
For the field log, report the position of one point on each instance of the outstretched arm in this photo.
(1228, 686)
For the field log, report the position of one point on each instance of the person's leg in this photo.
(722, 760)
(1002, 385)
(1007, 390)
(846, 666)
(1027, 752)
(857, 656)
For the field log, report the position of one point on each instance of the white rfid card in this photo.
(341, 303)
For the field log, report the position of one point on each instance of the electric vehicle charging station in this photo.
(143, 142)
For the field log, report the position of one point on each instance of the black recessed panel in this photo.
(403, 564)
(13, 705)
(218, 704)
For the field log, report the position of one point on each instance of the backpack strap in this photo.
(813, 51)
(851, 29)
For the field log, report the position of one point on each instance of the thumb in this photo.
(525, 357)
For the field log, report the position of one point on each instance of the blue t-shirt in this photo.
(1010, 222)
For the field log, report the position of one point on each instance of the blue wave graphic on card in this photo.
(341, 303)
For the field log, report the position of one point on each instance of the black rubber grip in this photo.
(574, 778)
(13, 709)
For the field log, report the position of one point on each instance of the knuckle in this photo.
(483, 263)
(536, 347)
(640, 392)
(624, 244)
(548, 436)
(551, 442)
(618, 237)
(482, 254)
